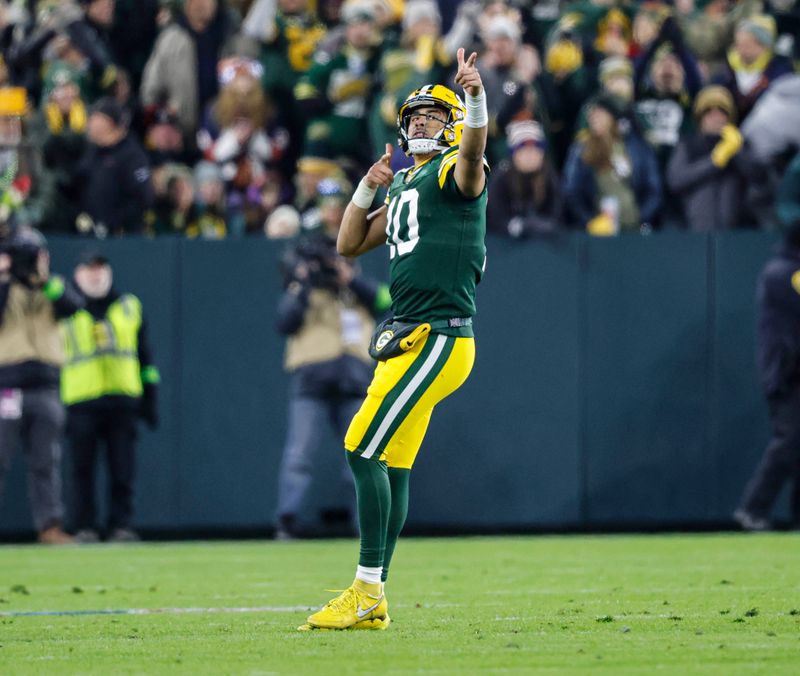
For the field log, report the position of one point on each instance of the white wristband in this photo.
(477, 114)
(363, 195)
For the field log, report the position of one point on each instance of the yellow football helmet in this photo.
(440, 97)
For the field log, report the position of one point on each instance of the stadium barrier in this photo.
(615, 386)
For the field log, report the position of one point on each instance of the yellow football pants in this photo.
(393, 419)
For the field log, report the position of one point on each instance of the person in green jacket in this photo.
(335, 95)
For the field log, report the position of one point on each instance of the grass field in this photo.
(710, 604)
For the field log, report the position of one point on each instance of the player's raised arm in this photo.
(469, 173)
(361, 231)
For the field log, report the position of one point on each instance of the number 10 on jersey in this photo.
(402, 225)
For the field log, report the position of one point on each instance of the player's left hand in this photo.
(381, 172)
(468, 76)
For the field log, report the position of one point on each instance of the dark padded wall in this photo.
(646, 379)
(512, 430)
(233, 390)
(614, 384)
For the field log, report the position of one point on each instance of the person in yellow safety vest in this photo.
(107, 383)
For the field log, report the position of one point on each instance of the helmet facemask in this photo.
(422, 146)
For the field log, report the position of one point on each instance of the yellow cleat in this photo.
(362, 606)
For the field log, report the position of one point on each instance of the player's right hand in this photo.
(381, 172)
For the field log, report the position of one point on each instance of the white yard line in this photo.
(155, 611)
(189, 610)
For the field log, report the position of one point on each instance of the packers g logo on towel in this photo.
(384, 338)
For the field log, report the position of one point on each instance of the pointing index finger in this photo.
(472, 59)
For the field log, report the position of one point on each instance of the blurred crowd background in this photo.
(213, 118)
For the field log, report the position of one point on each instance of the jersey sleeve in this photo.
(446, 173)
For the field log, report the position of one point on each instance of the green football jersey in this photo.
(436, 243)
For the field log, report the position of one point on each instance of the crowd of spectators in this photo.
(214, 118)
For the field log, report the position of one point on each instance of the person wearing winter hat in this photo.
(615, 94)
(667, 80)
(108, 121)
(526, 133)
(614, 33)
(508, 67)
(333, 97)
(115, 174)
(563, 57)
(173, 185)
(164, 140)
(752, 66)
(58, 132)
(417, 11)
(609, 103)
(62, 84)
(712, 171)
(567, 80)
(711, 97)
(207, 216)
(647, 24)
(611, 179)
(615, 75)
(92, 36)
(524, 195)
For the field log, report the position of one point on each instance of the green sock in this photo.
(374, 502)
(398, 481)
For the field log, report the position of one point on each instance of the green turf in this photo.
(725, 604)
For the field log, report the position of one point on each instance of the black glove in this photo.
(148, 408)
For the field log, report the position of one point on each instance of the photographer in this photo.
(327, 313)
(31, 355)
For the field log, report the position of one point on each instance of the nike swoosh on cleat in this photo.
(363, 612)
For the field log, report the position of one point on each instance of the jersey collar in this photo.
(412, 171)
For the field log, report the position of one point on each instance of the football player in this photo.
(434, 221)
